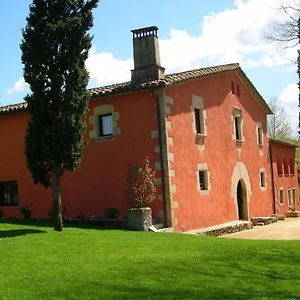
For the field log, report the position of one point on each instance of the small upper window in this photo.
(237, 120)
(105, 125)
(199, 120)
(203, 180)
(262, 176)
(9, 193)
(259, 134)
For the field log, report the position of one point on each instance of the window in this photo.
(259, 134)
(294, 197)
(262, 176)
(199, 120)
(105, 125)
(281, 196)
(237, 121)
(203, 182)
(9, 193)
(290, 200)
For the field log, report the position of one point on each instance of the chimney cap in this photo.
(145, 31)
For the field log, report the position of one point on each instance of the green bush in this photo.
(1, 213)
(26, 211)
(111, 213)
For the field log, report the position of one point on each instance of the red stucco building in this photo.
(204, 131)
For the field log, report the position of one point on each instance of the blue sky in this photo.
(192, 33)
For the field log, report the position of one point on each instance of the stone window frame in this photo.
(102, 110)
(237, 116)
(281, 195)
(198, 104)
(262, 179)
(203, 167)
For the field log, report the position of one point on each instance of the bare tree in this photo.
(279, 126)
(287, 33)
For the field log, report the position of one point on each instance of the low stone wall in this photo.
(292, 214)
(263, 220)
(217, 231)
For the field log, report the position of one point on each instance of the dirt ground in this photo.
(288, 229)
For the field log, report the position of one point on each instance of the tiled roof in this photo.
(169, 80)
(13, 107)
(291, 143)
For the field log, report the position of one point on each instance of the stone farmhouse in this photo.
(203, 130)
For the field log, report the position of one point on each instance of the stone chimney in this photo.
(146, 55)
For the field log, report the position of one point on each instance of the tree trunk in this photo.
(56, 202)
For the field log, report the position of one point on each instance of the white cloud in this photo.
(104, 68)
(288, 99)
(18, 87)
(233, 35)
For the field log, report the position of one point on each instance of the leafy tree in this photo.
(279, 125)
(54, 48)
(141, 185)
(287, 33)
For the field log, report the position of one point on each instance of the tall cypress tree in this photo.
(54, 48)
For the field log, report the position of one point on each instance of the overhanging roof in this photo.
(168, 81)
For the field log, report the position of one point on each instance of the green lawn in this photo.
(84, 263)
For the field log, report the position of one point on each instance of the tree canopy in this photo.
(54, 48)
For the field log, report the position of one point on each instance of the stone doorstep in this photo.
(292, 214)
(225, 228)
(263, 220)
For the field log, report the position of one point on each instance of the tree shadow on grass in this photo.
(18, 232)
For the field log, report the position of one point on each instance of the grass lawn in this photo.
(84, 263)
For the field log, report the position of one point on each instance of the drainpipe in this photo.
(272, 178)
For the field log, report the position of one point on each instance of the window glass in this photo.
(262, 179)
(9, 193)
(105, 125)
(281, 196)
(199, 121)
(203, 180)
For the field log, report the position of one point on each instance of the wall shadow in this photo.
(18, 232)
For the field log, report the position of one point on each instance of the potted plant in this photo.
(140, 194)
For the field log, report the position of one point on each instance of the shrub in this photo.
(141, 185)
(111, 213)
(1, 213)
(26, 211)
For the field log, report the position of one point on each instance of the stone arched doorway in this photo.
(241, 190)
(242, 205)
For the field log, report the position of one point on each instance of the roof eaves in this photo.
(254, 91)
(275, 141)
